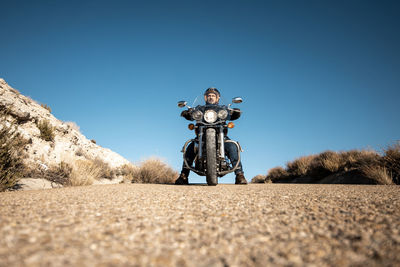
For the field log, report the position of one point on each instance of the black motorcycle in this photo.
(211, 130)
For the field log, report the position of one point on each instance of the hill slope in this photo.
(49, 141)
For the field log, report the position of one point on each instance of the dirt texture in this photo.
(196, 225)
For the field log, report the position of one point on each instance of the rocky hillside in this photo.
(49, 141)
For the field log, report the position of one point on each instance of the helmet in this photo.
(212, 90)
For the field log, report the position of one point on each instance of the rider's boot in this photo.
(182, 180)
(240, 179)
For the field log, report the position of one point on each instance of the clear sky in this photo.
(314, 75)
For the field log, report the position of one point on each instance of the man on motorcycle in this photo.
(211, 97)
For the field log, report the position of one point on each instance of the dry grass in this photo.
(379, 174)
(84, 172)
(106, 171)
(382, 169)
(328, 160)
(46, 130)
(276, 173)
(72, 172)
(127, 171)
(46, 107)
(59, 173)
(299, 166)
(154, 171)
(391, 160)
(11, 151)
(258, 179)
(325, 163)
(355, 159)
(73, 125)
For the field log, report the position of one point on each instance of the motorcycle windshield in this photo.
(199, 101)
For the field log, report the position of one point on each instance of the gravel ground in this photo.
(196, 225)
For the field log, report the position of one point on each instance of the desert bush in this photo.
(391, 160)
(276, 173)
(258, 179)
(73, 125)
(154, 171)
(325, 163)
(46, 107)
(79, 152)
(355, 159)
(127, 171)
(382, 169)
(299, 166)
(59, 173)
(106, 171)
(377, 173)
(71, 172)
(11, 165)
(93, 141)
(46, 130)
(84, 172)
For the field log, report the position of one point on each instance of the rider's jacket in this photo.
(187, 114)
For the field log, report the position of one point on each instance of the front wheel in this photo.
(211, 148)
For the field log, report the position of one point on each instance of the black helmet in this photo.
(212, 90)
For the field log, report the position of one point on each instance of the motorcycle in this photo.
(211, 130)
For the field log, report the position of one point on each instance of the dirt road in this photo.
(226, 225)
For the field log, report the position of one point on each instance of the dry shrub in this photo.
(46, 107)
(299, 166)
(378, 173)
(355, 159)
(71, 172)
(128, 171)
(154, 171)
(58, 173)
(106, 171)
(391, 160)
(330, 161)
(84, 172)
(11, 149)
(382, 169)
(80, 152)
(276, 173)
(325, 163)
(73, 125)
(46, 130)
(258, 179)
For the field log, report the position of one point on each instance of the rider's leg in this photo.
(232, 153)
(190, 155)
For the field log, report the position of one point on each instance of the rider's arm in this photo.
(235, 114)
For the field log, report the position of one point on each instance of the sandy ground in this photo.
(226, 225)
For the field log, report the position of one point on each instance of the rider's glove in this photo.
(235, 114)
(187, 114)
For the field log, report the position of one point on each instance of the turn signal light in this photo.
(231, 125)
(191, 126)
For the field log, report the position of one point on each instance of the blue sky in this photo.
(314, 75)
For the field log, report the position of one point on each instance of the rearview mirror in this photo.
(237, 100)
(182, 104)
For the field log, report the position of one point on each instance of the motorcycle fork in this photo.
(201, 141)
(221, 143)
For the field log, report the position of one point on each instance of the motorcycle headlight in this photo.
(210, 116)
(197, 115)
(222, 114)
